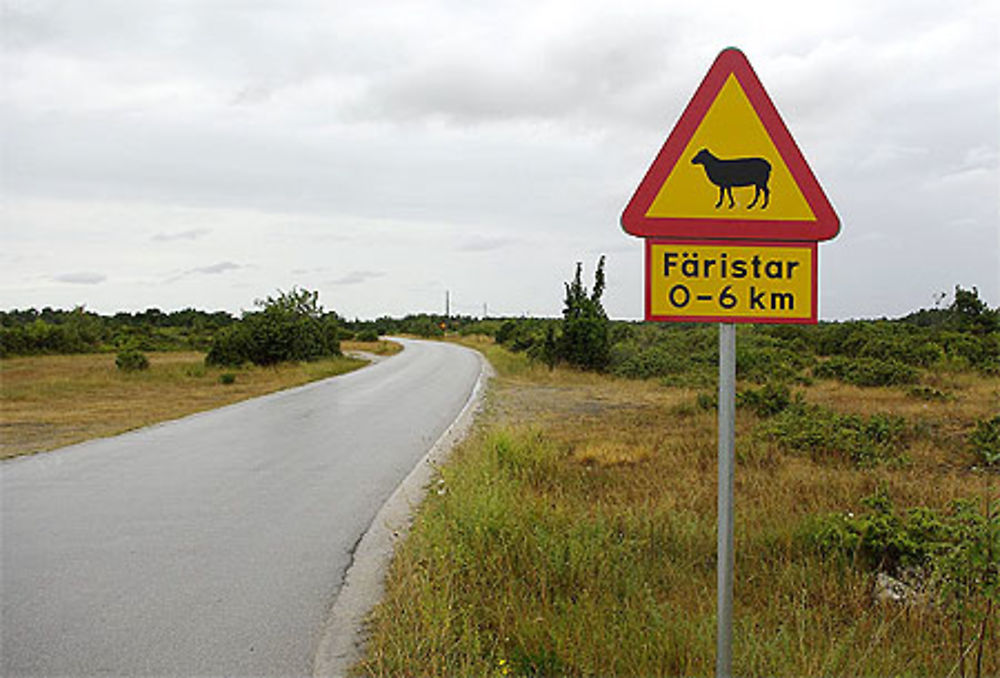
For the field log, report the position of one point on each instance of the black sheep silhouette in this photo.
(736, 172)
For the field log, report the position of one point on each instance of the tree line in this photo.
(294, 326)
(52, 331)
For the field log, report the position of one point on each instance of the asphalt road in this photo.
(215, 544)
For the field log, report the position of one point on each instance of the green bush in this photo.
(867, 371)
(949, 556)
(289, 327)
(985, 441)
(368, 334)
(227, 378)
(766, 401)
(131, 360)
(979, 351)
(881, 539)
(230, 348)
(707, 401)
(634, 360)
(423, 326)
(687, 354)
(821, 432)
(761, 358)
(928, 393)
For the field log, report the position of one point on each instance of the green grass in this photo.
(573, 534)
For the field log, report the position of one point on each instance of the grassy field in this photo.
(51, 401)
(574, 533)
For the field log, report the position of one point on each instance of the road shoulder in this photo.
(341, 643)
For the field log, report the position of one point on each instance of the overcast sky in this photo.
(171, 153)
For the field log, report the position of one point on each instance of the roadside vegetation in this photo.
(51, 401)
(72, 376)
(574, 532)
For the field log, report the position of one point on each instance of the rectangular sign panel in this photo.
(734, 281)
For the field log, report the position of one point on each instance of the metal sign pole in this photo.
(727, 440)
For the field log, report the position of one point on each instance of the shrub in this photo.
(634, 360)
(227, 378)
(818, 431)
(971, 313)
(369, 334)
(230, 348)
(928, 393)
(985, 441)
(707, 401)
(882, 539)
(288, 327)
(761, 358)
(423, 326)
(766, 401)
(131, 360)
(981, 352)
(867, 371)
(687, 354)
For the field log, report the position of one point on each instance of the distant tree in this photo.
(585, 340)
(288, 327)
(971, 313)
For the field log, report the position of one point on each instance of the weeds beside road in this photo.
(51, 401)
(574, 534)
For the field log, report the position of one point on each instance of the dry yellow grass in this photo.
(382, 347)
(51, 401)
(575, 532)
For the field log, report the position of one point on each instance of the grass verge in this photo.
(574, 534)
(51, 401)
(382, 347)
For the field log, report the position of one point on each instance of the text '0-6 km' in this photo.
(690, 265)
(756, 300)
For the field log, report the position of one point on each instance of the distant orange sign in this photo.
(730, 170)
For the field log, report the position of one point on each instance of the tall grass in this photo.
(574, 534)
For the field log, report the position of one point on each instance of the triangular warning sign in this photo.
(730, 169)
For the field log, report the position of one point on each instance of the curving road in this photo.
(212, 545)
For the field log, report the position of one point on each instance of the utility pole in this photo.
(447, 304)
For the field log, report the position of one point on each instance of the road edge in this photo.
(341, 643)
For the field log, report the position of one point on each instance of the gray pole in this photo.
(727, 440)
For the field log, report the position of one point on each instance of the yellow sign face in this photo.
(769, 282)
(731, 132)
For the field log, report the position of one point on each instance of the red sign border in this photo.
(648, 282)
(730, 61)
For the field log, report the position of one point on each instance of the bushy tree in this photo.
(972, 313)
(289, 327)
(585, 340)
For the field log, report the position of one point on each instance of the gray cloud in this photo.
(190, 234)
(81, 278)
(483, 243)
(357, 277)
(215, 269)
(212, 269)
